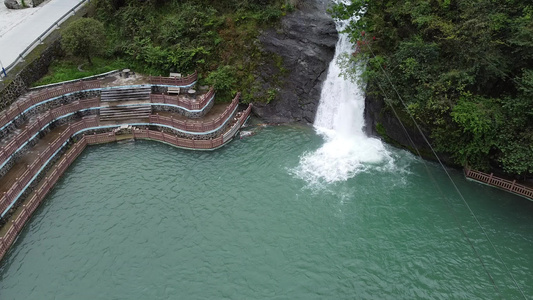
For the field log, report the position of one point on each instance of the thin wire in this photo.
(450, 207)
(448, 174)
(503, 73)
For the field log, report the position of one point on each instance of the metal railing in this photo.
(66, 160)
(183, 81)
(198, 126)
(504, 184)
(41, 37)
(241, 119)
(40, 123)
(46, 185)
(20, 106)
(56, 90)
(186, 103)
(8, 198)
(84, 79)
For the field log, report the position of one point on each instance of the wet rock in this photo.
(381, 121)
(306, 42)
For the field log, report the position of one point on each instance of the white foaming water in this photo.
(347, 151)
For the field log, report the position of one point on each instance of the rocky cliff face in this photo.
(381, 121)
(305, 41)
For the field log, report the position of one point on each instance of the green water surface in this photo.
(143, 220)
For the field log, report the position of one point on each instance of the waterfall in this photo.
(346, 151)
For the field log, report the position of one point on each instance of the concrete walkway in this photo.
(21, 35)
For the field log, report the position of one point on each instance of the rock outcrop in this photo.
(381, 121)
(12, 4)
(305, 42)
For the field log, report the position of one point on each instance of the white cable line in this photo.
(447, 173)
(450, 207)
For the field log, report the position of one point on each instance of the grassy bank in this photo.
(219, 39)
(72, 68)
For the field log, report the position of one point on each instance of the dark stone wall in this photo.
(33, 71)
(157, 89)
(381, 121)
(209, 136)
(305, 42)
(70, 119)
(35, 183)
(188, 114)
(12, 91)
(39, 109)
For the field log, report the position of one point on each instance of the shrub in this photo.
(84, 38)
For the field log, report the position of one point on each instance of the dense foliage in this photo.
(219, 37)
(464, 69)
(84, 37)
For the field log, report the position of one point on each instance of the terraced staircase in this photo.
(125, 104)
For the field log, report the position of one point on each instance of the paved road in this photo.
(17, 39)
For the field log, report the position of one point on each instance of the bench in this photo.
(173, 90)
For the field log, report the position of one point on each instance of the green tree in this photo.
(84, 38)
(223, 80)
(464, 69)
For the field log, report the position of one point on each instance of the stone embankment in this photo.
(41, 126)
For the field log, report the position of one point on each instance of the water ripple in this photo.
(145, 220)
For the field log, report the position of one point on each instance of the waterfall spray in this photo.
(340, 120)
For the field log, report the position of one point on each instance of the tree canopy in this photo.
(464, 69)
(84, 38)
(158, 36)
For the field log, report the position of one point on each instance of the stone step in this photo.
(126, 97)
(125, 108)
(124, 117)
(128, 112)
(126, 90)
(121, 121)
(108, 112)
(129, 103)
(132, 94)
